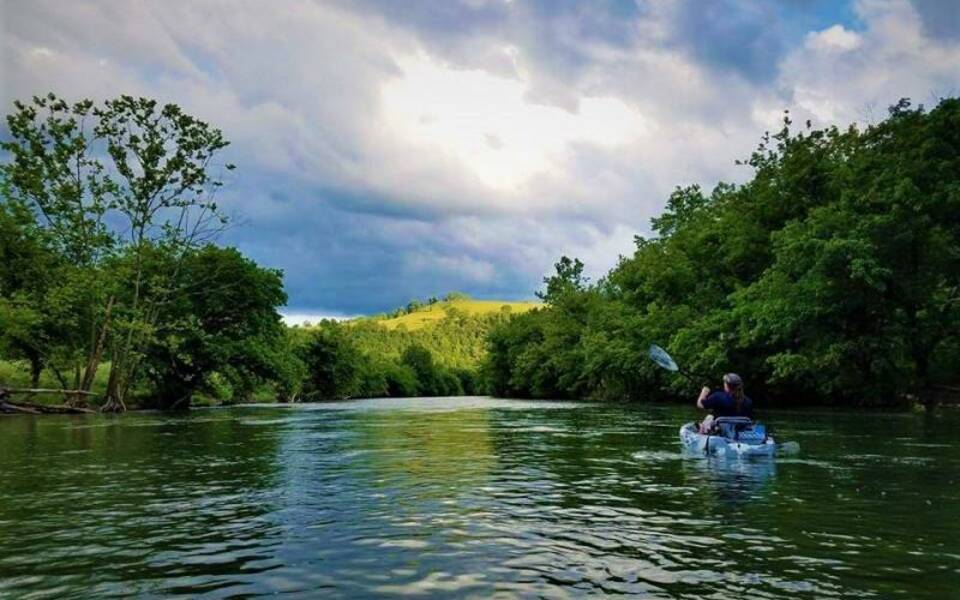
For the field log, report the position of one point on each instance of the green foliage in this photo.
(367, 358)
(432, 311)
(106, 212)
(832, 276)
(24, 265)
(456, 296)
(432, 380)
(420, 362)
(454, 331)
(221, 321)
(45, 301)
(334, 364)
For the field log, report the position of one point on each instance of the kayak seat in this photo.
(740, 429)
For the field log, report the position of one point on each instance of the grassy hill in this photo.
(432, 314)
(454, 329)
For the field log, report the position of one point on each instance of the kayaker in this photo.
(729, 402)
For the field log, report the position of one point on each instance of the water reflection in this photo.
(733, 482)
(471, 498)
(101, 502)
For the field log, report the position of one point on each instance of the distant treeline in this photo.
(417, 304)
(364, 358)
(833, 275)
(336, 367)
(458, 340)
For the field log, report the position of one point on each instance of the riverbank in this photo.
(52, 408)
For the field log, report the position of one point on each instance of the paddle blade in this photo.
(789, 448)
(660, 356)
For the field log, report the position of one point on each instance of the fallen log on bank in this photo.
(46, 391)
(11, 408)
(7, 405)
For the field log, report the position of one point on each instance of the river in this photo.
(473, 497)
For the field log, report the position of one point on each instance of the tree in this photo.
(49, 171)
(420, 361)
(26, 268)
(334, 365)
(113, 184)
(222, 319)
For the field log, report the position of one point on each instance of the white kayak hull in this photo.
(695, 442)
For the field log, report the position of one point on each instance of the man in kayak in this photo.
(730, 402)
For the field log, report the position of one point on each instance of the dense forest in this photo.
(833, 275)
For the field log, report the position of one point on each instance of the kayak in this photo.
(745, 441)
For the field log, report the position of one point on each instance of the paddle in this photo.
(660, 356)
(663, 359)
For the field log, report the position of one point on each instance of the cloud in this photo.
(839, 76)
(394, 150)
(482, 124)
(744, 38)
(310, 318)
(940, 18)
(833, 40)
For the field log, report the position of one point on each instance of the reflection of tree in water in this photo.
(99, 491)
(385, 491)
(424, 453)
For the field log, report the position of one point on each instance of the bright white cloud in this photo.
(312, 318)
(833, 40)
(486, 125)
(840, 76)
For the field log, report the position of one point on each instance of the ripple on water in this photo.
(466, 498)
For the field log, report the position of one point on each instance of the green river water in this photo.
(472, 497)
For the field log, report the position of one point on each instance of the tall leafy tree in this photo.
(334, 365)
(221, 319)
(27, 272)
(114, 183)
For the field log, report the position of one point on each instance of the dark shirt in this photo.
(724, 404)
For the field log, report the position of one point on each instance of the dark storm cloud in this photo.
(352, 262)
(941, 18)
(743, 37)
(365, 206)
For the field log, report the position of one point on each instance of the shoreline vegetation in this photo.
(832, 276)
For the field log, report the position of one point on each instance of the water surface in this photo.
(463, 497)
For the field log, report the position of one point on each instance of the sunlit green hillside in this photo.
(453, 329)
(432, 314)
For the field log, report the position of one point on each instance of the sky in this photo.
(388, 150)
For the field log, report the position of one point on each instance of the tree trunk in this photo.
(44, 391)
(60, 378)
(114, 401)
(183, 402)
(93, 363)
(117, 384)
(12, 408)
(31, 408)
(36, 367)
